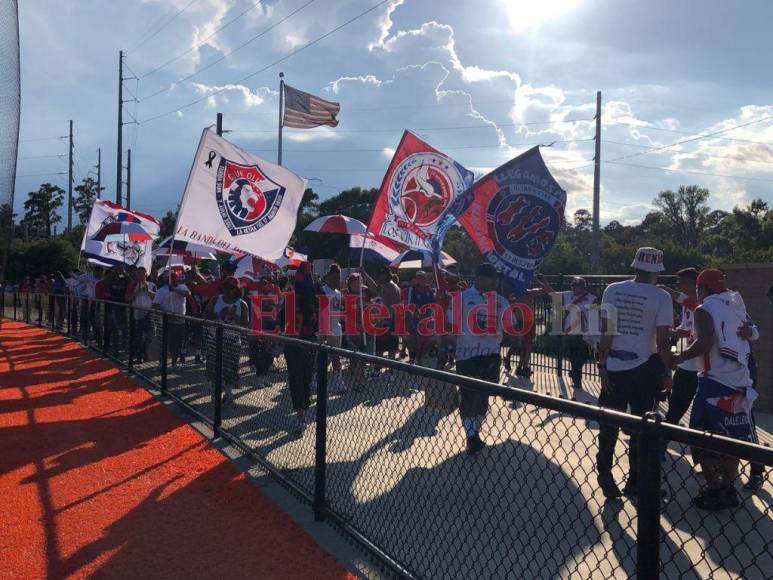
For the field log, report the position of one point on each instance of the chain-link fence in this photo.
(376, 446)
(10, 107)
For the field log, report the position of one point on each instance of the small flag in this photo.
(376, 249)
(304, 111)
(102, 246)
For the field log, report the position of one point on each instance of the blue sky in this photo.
(480, 80)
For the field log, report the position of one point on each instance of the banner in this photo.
(419, 186)
(513, 215)
(104, 249)
(375, 250)
(236, 202)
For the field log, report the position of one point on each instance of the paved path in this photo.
(97, 479)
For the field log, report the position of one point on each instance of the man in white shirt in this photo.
(686, 375)
(573, 305)
(634, 358)
(725, 393)
(171, 298)
(477, 348)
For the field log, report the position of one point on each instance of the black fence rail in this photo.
(376, 447)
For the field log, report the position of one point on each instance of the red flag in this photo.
(418, 188)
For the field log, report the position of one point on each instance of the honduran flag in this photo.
(373, 248)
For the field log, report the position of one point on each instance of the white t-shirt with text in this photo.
(640, 308)
(470, 345)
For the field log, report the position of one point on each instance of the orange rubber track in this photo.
(98, 479)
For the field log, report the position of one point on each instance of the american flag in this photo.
(303, 111)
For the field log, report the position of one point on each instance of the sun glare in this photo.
(524, 15)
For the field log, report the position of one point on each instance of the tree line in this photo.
(682, 223)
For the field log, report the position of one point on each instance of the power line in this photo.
(666, 169)
(203, 42)
(491, 124)
(276, 62)
(42, 174)
(381, 149)
(43, 156)
(167, 23)
(692, 139)
(693, 133)
(44, 139)
(695, 153)
(226, 55)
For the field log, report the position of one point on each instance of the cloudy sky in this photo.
(481, 80)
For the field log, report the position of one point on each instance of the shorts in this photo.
(722, 409)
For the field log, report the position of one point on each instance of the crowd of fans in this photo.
(635, 362)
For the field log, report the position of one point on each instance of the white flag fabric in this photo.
(374, 248)
(236, 201)
(102, 247)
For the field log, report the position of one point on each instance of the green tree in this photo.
(41, 209)
(686, 212)
(41, 257)
(168, 223)
(84, 200)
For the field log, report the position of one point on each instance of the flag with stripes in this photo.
(304, 111)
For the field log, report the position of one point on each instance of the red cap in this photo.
(714, 280)
(231, 281)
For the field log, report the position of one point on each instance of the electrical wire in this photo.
(276, 62)
(203, 42)
(693, 133)
(167, 23)
(226, 55)
(695, 153)
(667, 170)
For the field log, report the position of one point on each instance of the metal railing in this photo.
(378, 451)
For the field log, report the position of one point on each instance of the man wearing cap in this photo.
(477, 348)
(686, 374)
(725, 393)
(573, 305)
(634, 358)
(171, 298)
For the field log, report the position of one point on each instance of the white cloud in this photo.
(335, 86)
(385, 24)
(250, 98)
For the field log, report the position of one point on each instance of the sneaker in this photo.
(608, 485)
(754, 483)
(711, 499)
(475, 444)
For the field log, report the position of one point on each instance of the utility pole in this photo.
(129, 179)
(69, 185)
(219, 125)
(119, 152)
(595, 254)
(99, 173)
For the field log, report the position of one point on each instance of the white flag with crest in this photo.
(237, 201)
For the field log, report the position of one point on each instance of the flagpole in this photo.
(281, 106)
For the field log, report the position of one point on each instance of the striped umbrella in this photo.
(419, 259)
(336, 224)
(120, 231)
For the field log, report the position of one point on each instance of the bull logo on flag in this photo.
(418, 189)
(423, 189)
(247, 199)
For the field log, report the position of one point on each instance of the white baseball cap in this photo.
(648, 260)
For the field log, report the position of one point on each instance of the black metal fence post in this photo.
(27, 308)
(217, 416)
(52, 312)
(320, 448)
(649, 498)
(13, 299)
(164, 349)
(130, 339)
(39, 304)
(104, 334)
(85, 319)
